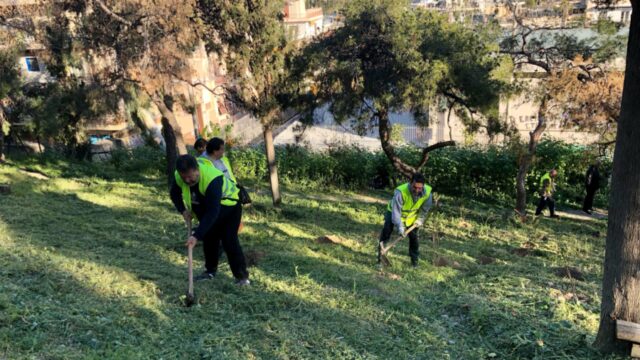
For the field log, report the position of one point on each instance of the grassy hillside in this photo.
(96, 269)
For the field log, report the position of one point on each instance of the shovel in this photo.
(384, 250)
(191, 297)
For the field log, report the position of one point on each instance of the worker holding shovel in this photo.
(202, 191)
(406, 212)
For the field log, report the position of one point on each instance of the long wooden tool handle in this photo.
(190, 262)
(190, 259)
(384, 250)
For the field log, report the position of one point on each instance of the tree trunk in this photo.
(168, 133)
(402, 167)
(527, 159)
(165, 106)
(384, 130)
(271, 165)
(2, 159)
(171, 133)
(621, 281)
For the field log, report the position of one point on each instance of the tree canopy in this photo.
(390, 58)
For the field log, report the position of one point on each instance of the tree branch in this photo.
(428, 149)
(112, 14)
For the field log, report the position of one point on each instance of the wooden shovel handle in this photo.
(190, 259)
(190, 264)
(384, 250)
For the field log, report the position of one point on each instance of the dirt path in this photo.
(38, 175)
(580, 215)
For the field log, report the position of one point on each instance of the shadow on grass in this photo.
(71, 247)
(308, 300)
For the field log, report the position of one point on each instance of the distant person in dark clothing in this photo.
(200, 146)
(592, 184)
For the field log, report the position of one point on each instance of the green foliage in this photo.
(606, 27)
(609, 45)
(216, 130)
(388, 57)
(249, 37)
(9, 73)
(397, 134)
(248, 163)
(145, 161)
(5, 127)
(142, 163)
(485, 173)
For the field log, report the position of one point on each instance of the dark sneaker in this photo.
(205, 276)
(587, 211)
(414, 263)
(554, 216)
(243, 282)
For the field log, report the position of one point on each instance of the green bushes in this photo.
(487, 173)
(145, 160)
(249, 163)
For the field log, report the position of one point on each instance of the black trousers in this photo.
(387, 230)
(588, 200)
(544, 202)
(225, 233)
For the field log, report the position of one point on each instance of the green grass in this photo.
(94, 269)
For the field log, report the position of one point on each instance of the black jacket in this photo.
(206, 208)
(592, 178)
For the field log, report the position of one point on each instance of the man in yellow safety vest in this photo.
(200, 190)
(409, 206)
(547, 188)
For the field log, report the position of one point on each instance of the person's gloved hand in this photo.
(418, 223)
(401, 230)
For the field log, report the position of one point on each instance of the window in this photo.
(32, 64)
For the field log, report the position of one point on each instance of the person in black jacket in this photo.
(592, 184)
(199, 189)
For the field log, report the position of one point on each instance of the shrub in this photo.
(486, 173)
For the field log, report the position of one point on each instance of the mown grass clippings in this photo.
(96, 269)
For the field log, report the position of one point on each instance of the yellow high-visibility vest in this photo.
(409, 208)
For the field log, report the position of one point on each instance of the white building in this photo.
(300, 22)
(616, 11)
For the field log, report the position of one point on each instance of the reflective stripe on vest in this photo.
(227, 164)
(409, 208)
